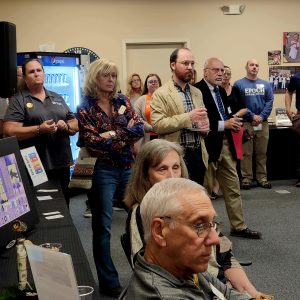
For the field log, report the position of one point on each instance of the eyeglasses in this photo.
(135, 80)
(186, 63)
(107, 75)
(216, 70)
(153, 81)
(202, 229)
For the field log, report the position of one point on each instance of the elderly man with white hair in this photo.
(180, 230)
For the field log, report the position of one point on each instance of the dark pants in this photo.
(296, 130)
(62, 176)
(194, 162)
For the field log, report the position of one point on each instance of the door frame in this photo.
(141, 42)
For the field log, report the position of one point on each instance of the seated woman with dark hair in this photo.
(157, 160)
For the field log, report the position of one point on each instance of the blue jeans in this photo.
(106, 180)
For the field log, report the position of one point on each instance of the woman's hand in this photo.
(130, 123)
(62, 125)
(105, 135)
(48, 126)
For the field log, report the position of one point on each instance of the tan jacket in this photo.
(168, 116)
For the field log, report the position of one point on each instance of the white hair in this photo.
(162, 200)
(206, 63)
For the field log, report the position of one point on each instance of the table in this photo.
(281, 155)
(56, 230)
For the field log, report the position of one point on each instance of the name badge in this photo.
(122, 109)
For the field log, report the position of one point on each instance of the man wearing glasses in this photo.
(219, 144)
(178, 113)
(179, 237)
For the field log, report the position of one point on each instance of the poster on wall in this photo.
(291, 44)
(274, 57)
(279, 77)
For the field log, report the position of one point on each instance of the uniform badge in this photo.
(29, 105)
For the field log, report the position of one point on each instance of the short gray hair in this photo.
(162, 200)
(209, 60)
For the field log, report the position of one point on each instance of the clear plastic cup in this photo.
(85, 292)
(52, 246)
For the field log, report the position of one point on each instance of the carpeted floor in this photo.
(276, 258)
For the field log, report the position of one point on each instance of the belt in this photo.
(192, 148)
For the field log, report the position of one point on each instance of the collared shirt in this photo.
(221, 125)
(31, 111)
(150, 281)
(93, 121)
(3, 107)
(187, 138)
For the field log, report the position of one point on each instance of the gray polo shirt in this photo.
(54, 149)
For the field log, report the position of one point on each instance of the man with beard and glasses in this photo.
(179, 115)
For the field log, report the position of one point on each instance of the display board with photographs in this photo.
(291, 45)
(279, 77)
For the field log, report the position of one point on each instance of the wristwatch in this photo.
(112, 134)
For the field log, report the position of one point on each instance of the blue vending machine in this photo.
(62, 75)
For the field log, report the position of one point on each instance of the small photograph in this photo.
(291, 44)
(274, 57)
(279, 78)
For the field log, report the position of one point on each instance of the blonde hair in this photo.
(97, 68)
(129, 90)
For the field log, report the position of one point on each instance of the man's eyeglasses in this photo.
(202, 229)
(216, 70)
(186, 63)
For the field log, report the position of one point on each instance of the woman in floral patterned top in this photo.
(108, 127)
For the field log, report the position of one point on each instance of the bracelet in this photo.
(38, 130)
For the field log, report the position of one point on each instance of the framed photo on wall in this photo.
(279, 77)
(274, 57)
(291, 45)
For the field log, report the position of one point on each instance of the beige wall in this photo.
(102, 25)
